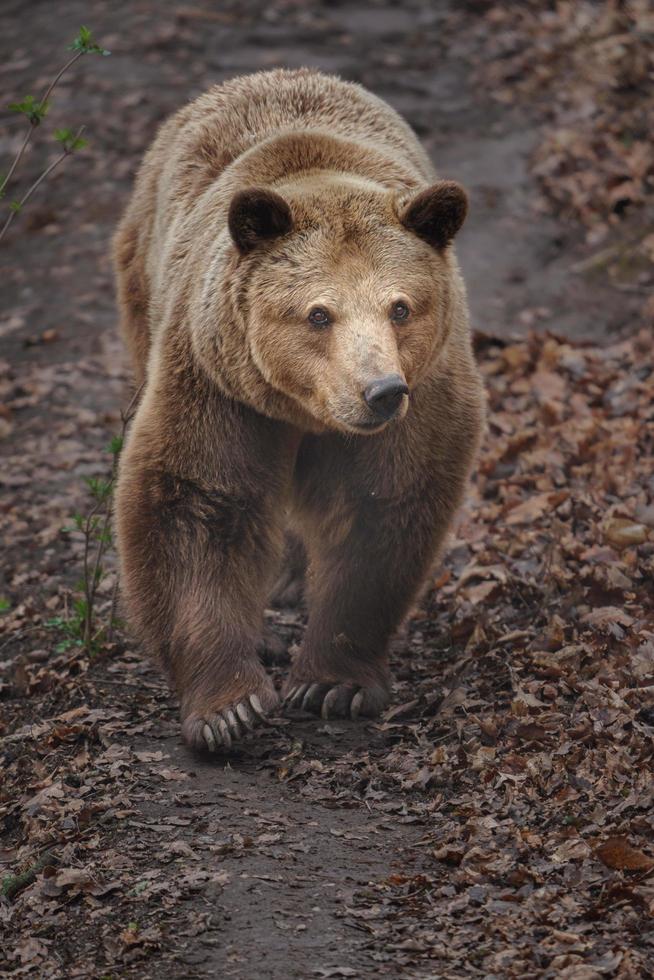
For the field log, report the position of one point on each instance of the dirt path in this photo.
(318, 850)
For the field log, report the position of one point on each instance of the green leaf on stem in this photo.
(115, 445)
(35, 111)
(100, 489)
(69, 140)
(86, 45)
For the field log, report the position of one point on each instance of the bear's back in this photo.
(205, 137)
(252, 108)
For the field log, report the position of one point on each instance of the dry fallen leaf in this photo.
(617, 853)
(624, 533)
(534, 507)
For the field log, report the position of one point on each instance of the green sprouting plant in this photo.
(79, 624)
(35, 112)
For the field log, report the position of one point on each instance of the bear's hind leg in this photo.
(289, 587)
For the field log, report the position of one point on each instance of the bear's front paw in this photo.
(332, 700)
(215, 730)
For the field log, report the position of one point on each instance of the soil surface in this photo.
(401, 848)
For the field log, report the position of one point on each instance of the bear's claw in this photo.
(328, 700)
(226, 726)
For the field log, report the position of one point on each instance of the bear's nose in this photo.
(384, 395)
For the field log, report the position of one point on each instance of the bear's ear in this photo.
(437, 213)
(257, 215)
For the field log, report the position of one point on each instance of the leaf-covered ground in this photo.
(497, 821)
(510, 784)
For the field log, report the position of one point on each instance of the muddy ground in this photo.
(497, 821)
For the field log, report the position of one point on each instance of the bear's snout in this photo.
(384, 395)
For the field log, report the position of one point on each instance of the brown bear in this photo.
(294, 310)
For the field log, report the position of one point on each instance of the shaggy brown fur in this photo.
(270, 198)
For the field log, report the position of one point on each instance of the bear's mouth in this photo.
(369, 426)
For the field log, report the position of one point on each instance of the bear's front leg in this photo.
(374, 512)
(199, 539)
(367, 562)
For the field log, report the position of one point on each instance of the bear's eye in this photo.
(319, 317)
(400, 312)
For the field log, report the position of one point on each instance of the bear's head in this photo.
(347, 291)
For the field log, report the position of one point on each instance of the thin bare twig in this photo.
(12, 214)
(126, 417)
(32, 125)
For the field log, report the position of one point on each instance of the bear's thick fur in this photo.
(293, 306)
